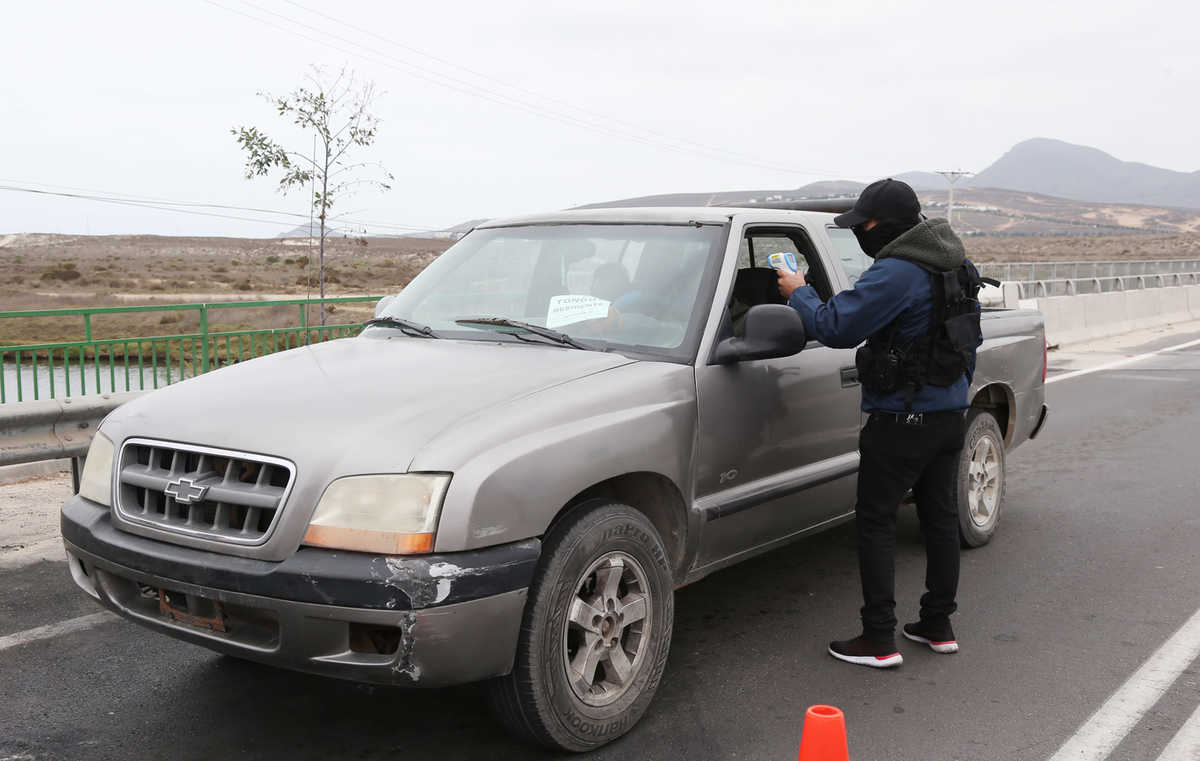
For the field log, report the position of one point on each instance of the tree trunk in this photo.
(324, 203)
(322, 267)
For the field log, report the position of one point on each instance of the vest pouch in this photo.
(878, 371)
(963, 331)
(950, 355)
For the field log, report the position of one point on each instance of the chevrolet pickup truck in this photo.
(506, 475)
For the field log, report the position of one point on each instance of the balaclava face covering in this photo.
(884, 232)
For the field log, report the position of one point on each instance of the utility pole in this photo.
(952, 176)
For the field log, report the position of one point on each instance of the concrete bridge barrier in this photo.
(1088, 316)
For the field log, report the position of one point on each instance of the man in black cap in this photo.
(915, 398)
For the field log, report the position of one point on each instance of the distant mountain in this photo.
(977, 210)
(923, 180)
(303, 232)
(830, 188)
(824, 189)
(992, 211)
(1054, 168)
(454, 232)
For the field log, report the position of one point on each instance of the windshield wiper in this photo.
(537, 330)
(409, 327)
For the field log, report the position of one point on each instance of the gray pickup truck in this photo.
(505, 476)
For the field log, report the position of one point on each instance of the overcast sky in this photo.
(137, 97)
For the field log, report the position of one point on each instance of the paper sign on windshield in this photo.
(570, 308)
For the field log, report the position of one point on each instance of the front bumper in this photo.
(426, 621)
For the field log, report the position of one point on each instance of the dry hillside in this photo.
(60, 271)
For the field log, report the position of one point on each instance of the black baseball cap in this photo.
(882, 199)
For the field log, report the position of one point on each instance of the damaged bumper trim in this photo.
(408, 648)
(312, 575)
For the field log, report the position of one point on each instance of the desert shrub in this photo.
(62, 272)
(170, 317)
(158, 287)
(244, 285)
(272, 259)
(302, 280)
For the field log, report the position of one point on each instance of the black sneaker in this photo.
(939, 637)
(866, 652)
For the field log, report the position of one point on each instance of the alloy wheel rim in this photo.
(983, 482)
(607, 629)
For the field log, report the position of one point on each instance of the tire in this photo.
(601, 559)
(981, 480)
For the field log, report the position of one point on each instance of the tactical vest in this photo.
(941, 355)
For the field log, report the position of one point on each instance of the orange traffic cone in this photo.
(824, 735)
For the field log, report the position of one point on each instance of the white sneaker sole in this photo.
(937, 647)
(874, 661)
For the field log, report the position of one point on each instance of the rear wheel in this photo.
(596, 632)
(980, 479)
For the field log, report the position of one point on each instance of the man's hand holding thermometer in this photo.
(788, 271)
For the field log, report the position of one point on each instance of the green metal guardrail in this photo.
(53, 370)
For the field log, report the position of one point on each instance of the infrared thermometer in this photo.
(783, 260)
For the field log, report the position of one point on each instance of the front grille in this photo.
(200, 491)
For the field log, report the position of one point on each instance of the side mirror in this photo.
(382, 306)
(772, 330)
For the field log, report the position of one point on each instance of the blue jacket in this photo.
(891, 288)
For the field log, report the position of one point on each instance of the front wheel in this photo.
(596, 631)
(980, 479)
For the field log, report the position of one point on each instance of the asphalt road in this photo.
(1096, 565)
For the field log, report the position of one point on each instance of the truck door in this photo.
(778, 438)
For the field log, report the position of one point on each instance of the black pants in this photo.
(921, 455)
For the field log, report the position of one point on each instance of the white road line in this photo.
(1185, 746)
(1125, 708)
(53, 630)
(1120, 362)
(1156, 378)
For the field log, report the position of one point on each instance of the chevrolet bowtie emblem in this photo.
(185, 491)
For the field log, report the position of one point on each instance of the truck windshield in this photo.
(607, 286)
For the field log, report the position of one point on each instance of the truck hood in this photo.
(360, 405)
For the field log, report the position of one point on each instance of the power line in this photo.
(186, 207)
(144, 205)
(476, 90)
(443, 80)
(527, 91)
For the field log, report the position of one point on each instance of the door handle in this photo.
(849, 377)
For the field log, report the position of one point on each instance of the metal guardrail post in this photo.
(140, 354)
(203, 338)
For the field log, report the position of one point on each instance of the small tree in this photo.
(335, 110)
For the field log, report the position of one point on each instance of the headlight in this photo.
(388, 514)
(96, 481)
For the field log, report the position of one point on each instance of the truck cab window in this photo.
(846, 248)
(756, 282)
